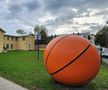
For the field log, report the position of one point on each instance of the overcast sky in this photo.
(59, 16)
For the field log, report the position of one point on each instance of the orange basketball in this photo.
(71, 60)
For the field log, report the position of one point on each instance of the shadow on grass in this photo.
(58, 86)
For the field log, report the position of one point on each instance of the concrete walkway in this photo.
(105, 60)
(8, 85)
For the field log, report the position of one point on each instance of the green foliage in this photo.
(89, 37)
(50, 38)
(20, 31)
(101, 36)
(44, 37)
(43, 31)
(37, 29)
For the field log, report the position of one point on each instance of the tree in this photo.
(50, 38)
(43, 31)
(20, 31)
(89, 37)
(44, 38)
(37, 29)
(78, 33)
(101, 36)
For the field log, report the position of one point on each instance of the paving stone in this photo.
(8, 85)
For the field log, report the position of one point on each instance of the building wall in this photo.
(1, 41)
(16, 43)
(11, 42)
(30, 42)
(26, 43)
(21, 43)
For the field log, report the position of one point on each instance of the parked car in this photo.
(102, 50)
(98, 49)
(105, 52)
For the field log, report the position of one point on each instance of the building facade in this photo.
(87, 35)
(16, 42)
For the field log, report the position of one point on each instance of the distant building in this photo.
(88, 36)
(92, 38)
(85, 35)
(16, 42)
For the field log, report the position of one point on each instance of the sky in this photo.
(58, 16)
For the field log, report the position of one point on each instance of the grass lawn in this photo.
(23, 68)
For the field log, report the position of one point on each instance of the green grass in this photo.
(101, 81)
(23, 68)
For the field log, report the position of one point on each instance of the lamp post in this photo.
(37, 31)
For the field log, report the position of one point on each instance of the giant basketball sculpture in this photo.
(71, 60)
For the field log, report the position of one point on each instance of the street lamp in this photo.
(37, 34)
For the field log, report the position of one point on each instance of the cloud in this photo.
(14, 9)
(32, 4)
(65, 16)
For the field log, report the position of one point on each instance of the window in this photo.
(7, 46)
(23, 38)
(16, 38)
(12, 38)
(4, 38)
(7, 37)
(11, 46)
(4, 47)
(29, 47)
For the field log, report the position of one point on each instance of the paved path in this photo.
(105, 60)
(8, 85)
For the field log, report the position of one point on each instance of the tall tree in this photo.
(43, 31)
(37, 29)
(89, 37)
(20, 31)
(101, 36)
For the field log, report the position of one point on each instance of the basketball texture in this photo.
(71, 60)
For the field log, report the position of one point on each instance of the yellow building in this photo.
(16, 42)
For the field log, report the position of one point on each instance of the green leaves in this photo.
(101, 36)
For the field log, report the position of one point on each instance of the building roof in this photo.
(2, 30)
(18, 35)
(15, 34)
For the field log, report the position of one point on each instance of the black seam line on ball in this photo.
(53, 47)
(72, 60)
